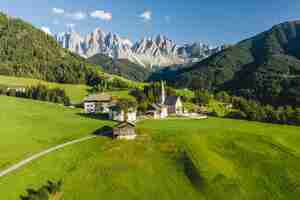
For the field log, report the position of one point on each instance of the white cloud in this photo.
(101, 14)
(46, 30)
(79, 15)
(58, 11)
(76, 15)
(146, 15)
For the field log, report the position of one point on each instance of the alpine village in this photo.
(90, 115)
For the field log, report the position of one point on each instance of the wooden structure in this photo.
(124, 130)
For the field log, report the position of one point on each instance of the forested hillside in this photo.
(265, 67)
(121, 67)
(28, 52)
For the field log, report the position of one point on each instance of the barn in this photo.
(124, 130)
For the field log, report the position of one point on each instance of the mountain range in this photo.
(148, 52)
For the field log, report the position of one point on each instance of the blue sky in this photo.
(209, 21)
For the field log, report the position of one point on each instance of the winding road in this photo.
(43, 153)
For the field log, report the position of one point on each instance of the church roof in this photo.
(171, 100)
(125, 124)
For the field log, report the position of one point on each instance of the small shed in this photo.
(124, 130)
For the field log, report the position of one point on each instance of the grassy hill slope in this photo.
(175, 159)
(234, 159)
(76, 92)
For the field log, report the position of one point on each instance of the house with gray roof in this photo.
(98, 103)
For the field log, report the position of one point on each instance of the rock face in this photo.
(148, 52)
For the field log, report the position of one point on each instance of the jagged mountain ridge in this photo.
(148, 52)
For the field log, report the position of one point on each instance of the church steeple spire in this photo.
(163, 93)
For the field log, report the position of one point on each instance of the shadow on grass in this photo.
(94, 116)
(106, 131)
(191, 171)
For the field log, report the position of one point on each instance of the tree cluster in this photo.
(39, 92)
(247, 109)
(255, 111)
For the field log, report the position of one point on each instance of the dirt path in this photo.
(43, 153)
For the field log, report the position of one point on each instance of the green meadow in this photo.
(28, 127)
(231, 159)
(171, 159)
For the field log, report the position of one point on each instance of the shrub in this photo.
(47, 192)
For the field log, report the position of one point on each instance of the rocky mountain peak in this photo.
(158, 50)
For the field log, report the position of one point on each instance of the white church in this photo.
(168, 105)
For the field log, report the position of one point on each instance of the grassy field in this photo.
(121, 94)
(173, 159)
(75, 92)
(30, 126)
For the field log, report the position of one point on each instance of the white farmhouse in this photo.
(98, 103)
